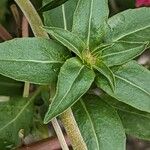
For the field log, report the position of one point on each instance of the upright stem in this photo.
(67, 117)
(26, 89)
(25, 27)
(72, 130)
(25, 33)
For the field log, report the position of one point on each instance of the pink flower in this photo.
(142, 3)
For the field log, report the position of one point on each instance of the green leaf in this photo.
(9, 87)
(89, 21)
(68, 39)
(51, 5)
(73, 81)
(135, 122)
(121, 52)
(105, 70)
(61, 16)
(132, 85)
(131, 25)
(99, 124)
(16, 115)
(36, 60)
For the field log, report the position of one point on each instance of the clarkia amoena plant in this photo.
(101, 92)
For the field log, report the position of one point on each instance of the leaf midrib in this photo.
(133, 84)
(64, 17)
(93, 124)
(117, 53)
(66, 92)
(85, 108)
(76, 51)
(129, 33)
(89, 25)
(32, 61)
(131, 112)
(13, 120)
(94, 132)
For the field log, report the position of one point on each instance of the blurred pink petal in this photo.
(142, 3)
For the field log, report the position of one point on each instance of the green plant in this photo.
(87, 50)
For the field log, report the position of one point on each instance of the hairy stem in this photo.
(32, 17)
(67, 117)
(72, 130)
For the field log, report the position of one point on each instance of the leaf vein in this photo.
(89, 25)
(88, 115)
(125, 80)
(117, 53)
(132, 32)
(33, 61)
(66, 92)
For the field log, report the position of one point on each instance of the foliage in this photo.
(16, 120)
(87, 50)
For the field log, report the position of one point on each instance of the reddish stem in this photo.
(4, 34)
(47, 144)
(25, 27)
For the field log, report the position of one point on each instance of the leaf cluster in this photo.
(88, 50)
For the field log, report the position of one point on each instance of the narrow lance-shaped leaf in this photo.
(132, 85)
(131, 25)
(105, 70)
(99, 124)
(121, 52)
(68, 39)
(89, 21)
(64, 13)
(135, 122)
(51, 5)
(73, 81)
(35, 60)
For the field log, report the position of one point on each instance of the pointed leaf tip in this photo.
(18, 62)
(129, 88)
(74, 80)
(68, 39)
(106, 71)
